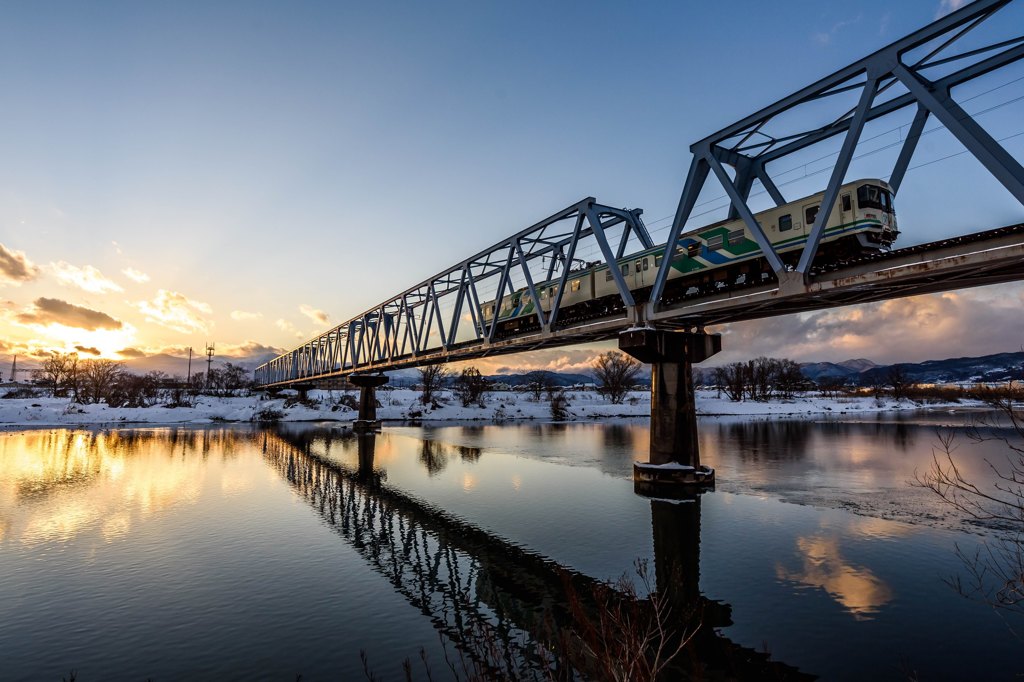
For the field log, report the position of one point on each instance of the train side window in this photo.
(646, 264)
(575, 285)
(608, 276)
(715, 243)
(625, 269)
(543, 293)
(736, 237)
(785, 223)
(810, 214)
(693, 250)
(657, 261)
(847, 202)
(637, 265)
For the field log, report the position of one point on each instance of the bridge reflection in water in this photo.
(508, 610)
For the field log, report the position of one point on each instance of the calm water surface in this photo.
(227, 553)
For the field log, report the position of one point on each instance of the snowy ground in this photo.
(403, 404)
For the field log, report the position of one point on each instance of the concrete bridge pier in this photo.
(367, 383)
(673, 465)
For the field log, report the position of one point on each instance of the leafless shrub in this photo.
(470, 387)
(559, 404)
(995, 571)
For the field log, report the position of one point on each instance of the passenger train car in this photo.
(717, 257)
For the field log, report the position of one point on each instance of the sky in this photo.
(249, 174)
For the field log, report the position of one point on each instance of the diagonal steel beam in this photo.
(976, 139)
(838, 174)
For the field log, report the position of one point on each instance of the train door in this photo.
(642, 273)
(845, 208)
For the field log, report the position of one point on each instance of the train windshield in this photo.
(873, 196)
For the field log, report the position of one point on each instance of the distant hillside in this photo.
(988, 368)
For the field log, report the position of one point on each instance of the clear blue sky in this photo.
(255, 157)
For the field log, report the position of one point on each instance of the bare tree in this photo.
(470, 387)
(539, 381)
(788, 378)
(98, 377)
(431, 379)
(995, 571)
(898, 380)
(732, 379)
(59, 371)
(616, 374)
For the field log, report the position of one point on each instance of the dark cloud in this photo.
(131, 353)
(56, 311)
(88, 349)
(15, 266)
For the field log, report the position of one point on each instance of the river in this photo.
(232, 552)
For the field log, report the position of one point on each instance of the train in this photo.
(718, 257)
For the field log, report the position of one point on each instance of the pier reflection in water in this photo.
(228, 552)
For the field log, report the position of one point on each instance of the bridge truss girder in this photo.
(748, 149)
(413, 328)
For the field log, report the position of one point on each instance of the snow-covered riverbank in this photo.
(404, 404)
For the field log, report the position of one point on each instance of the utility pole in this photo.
(189, 375)
(209, 362)
(14, 370)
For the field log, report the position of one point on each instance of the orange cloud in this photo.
(15, 267)
(47, 311)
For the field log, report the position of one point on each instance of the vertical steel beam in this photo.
(474, 304)
(744, 211)
(502, 282)
(744, 181)
(529, 285)
(557, 303)
(867, 96)
(640, 229)
(557, 256)
(453, 329)
(976, 139)
(440, 321)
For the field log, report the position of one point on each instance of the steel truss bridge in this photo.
(499, 603)
(441, 319)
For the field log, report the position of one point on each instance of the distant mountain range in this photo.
(999, 367)
(859, 371)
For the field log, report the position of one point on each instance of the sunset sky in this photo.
(252, 173)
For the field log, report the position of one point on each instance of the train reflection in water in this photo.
(508, 610)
